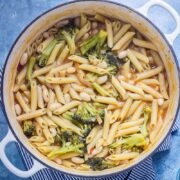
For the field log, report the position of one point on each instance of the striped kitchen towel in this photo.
(143, 171)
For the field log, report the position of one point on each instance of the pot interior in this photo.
(74, 9)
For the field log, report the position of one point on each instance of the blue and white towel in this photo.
(143, 171)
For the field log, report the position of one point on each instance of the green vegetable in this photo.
(69, 33)
(31, 64)
(70, 142)
(28, 128)
(86, 113)
(98, 163)
(131, 141)
(43, 58)
(85, 128)
(100, 89)
(147, 113)
(96, 40)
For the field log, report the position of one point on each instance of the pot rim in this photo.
(41, 161)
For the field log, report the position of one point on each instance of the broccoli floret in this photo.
(43, 58)
(147, 113)
(31, 64)
(66, 149)
(97, 163)
(86, 113)
(131, 141)
(70, 142)
(85, 128)
(68, 33)
(94, 41)
(28, 128)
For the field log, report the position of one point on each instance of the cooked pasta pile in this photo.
(91, 93)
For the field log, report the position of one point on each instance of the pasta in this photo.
(91, 88)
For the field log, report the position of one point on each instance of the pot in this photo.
(71, 9)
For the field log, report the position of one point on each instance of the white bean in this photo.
(89, 91)
(102, 65)
(102, 79)
(18, 109)
(67, 98)
(77, 160)
(71, 70)
(53, 131)
(46, 35)
(77, 21)
(160, 101)
(94, 25)
(95, 31)
(58, 161)
(122, 54)
(24, 59)
(85, 36)
(45, 93)
(54, 106)
(85, 96)
(73, 110)
(62, 23)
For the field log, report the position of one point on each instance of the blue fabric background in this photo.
(16, 14)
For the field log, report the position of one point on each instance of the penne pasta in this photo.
(66, 107)
(106, 100)
(41, 122)
(93, 69)
(31, 115)
(150, 90)
(22, 102)
(136, 115)
(133, 108)
(78, 59)
(60, 80)
(118, 87)
(131, 124)
(106, 125)
(144, 44)
(59, 94)
(132, 88)
(63, 55)
(40, 100)
(123, 40)
(134, 61)
(154, 114)
(121, 32)
(112, 132)
(140, 56)
(48, 135)
(146, 97)
(127, 131)
(55, 51)
(149, 73)
(124, 156)
(109, 33)
(66, 124)
(84, 29)
(162, 86)
(125, 109)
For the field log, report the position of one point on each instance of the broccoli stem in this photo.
(97, 39)
(66, 149)
(144, 130)
(46, 53)
(89, 43)
(100, 90)
(31, 64)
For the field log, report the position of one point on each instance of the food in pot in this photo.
(91, 93)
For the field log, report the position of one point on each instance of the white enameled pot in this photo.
(71, 9)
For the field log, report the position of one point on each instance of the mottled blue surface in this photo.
(16, 14)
